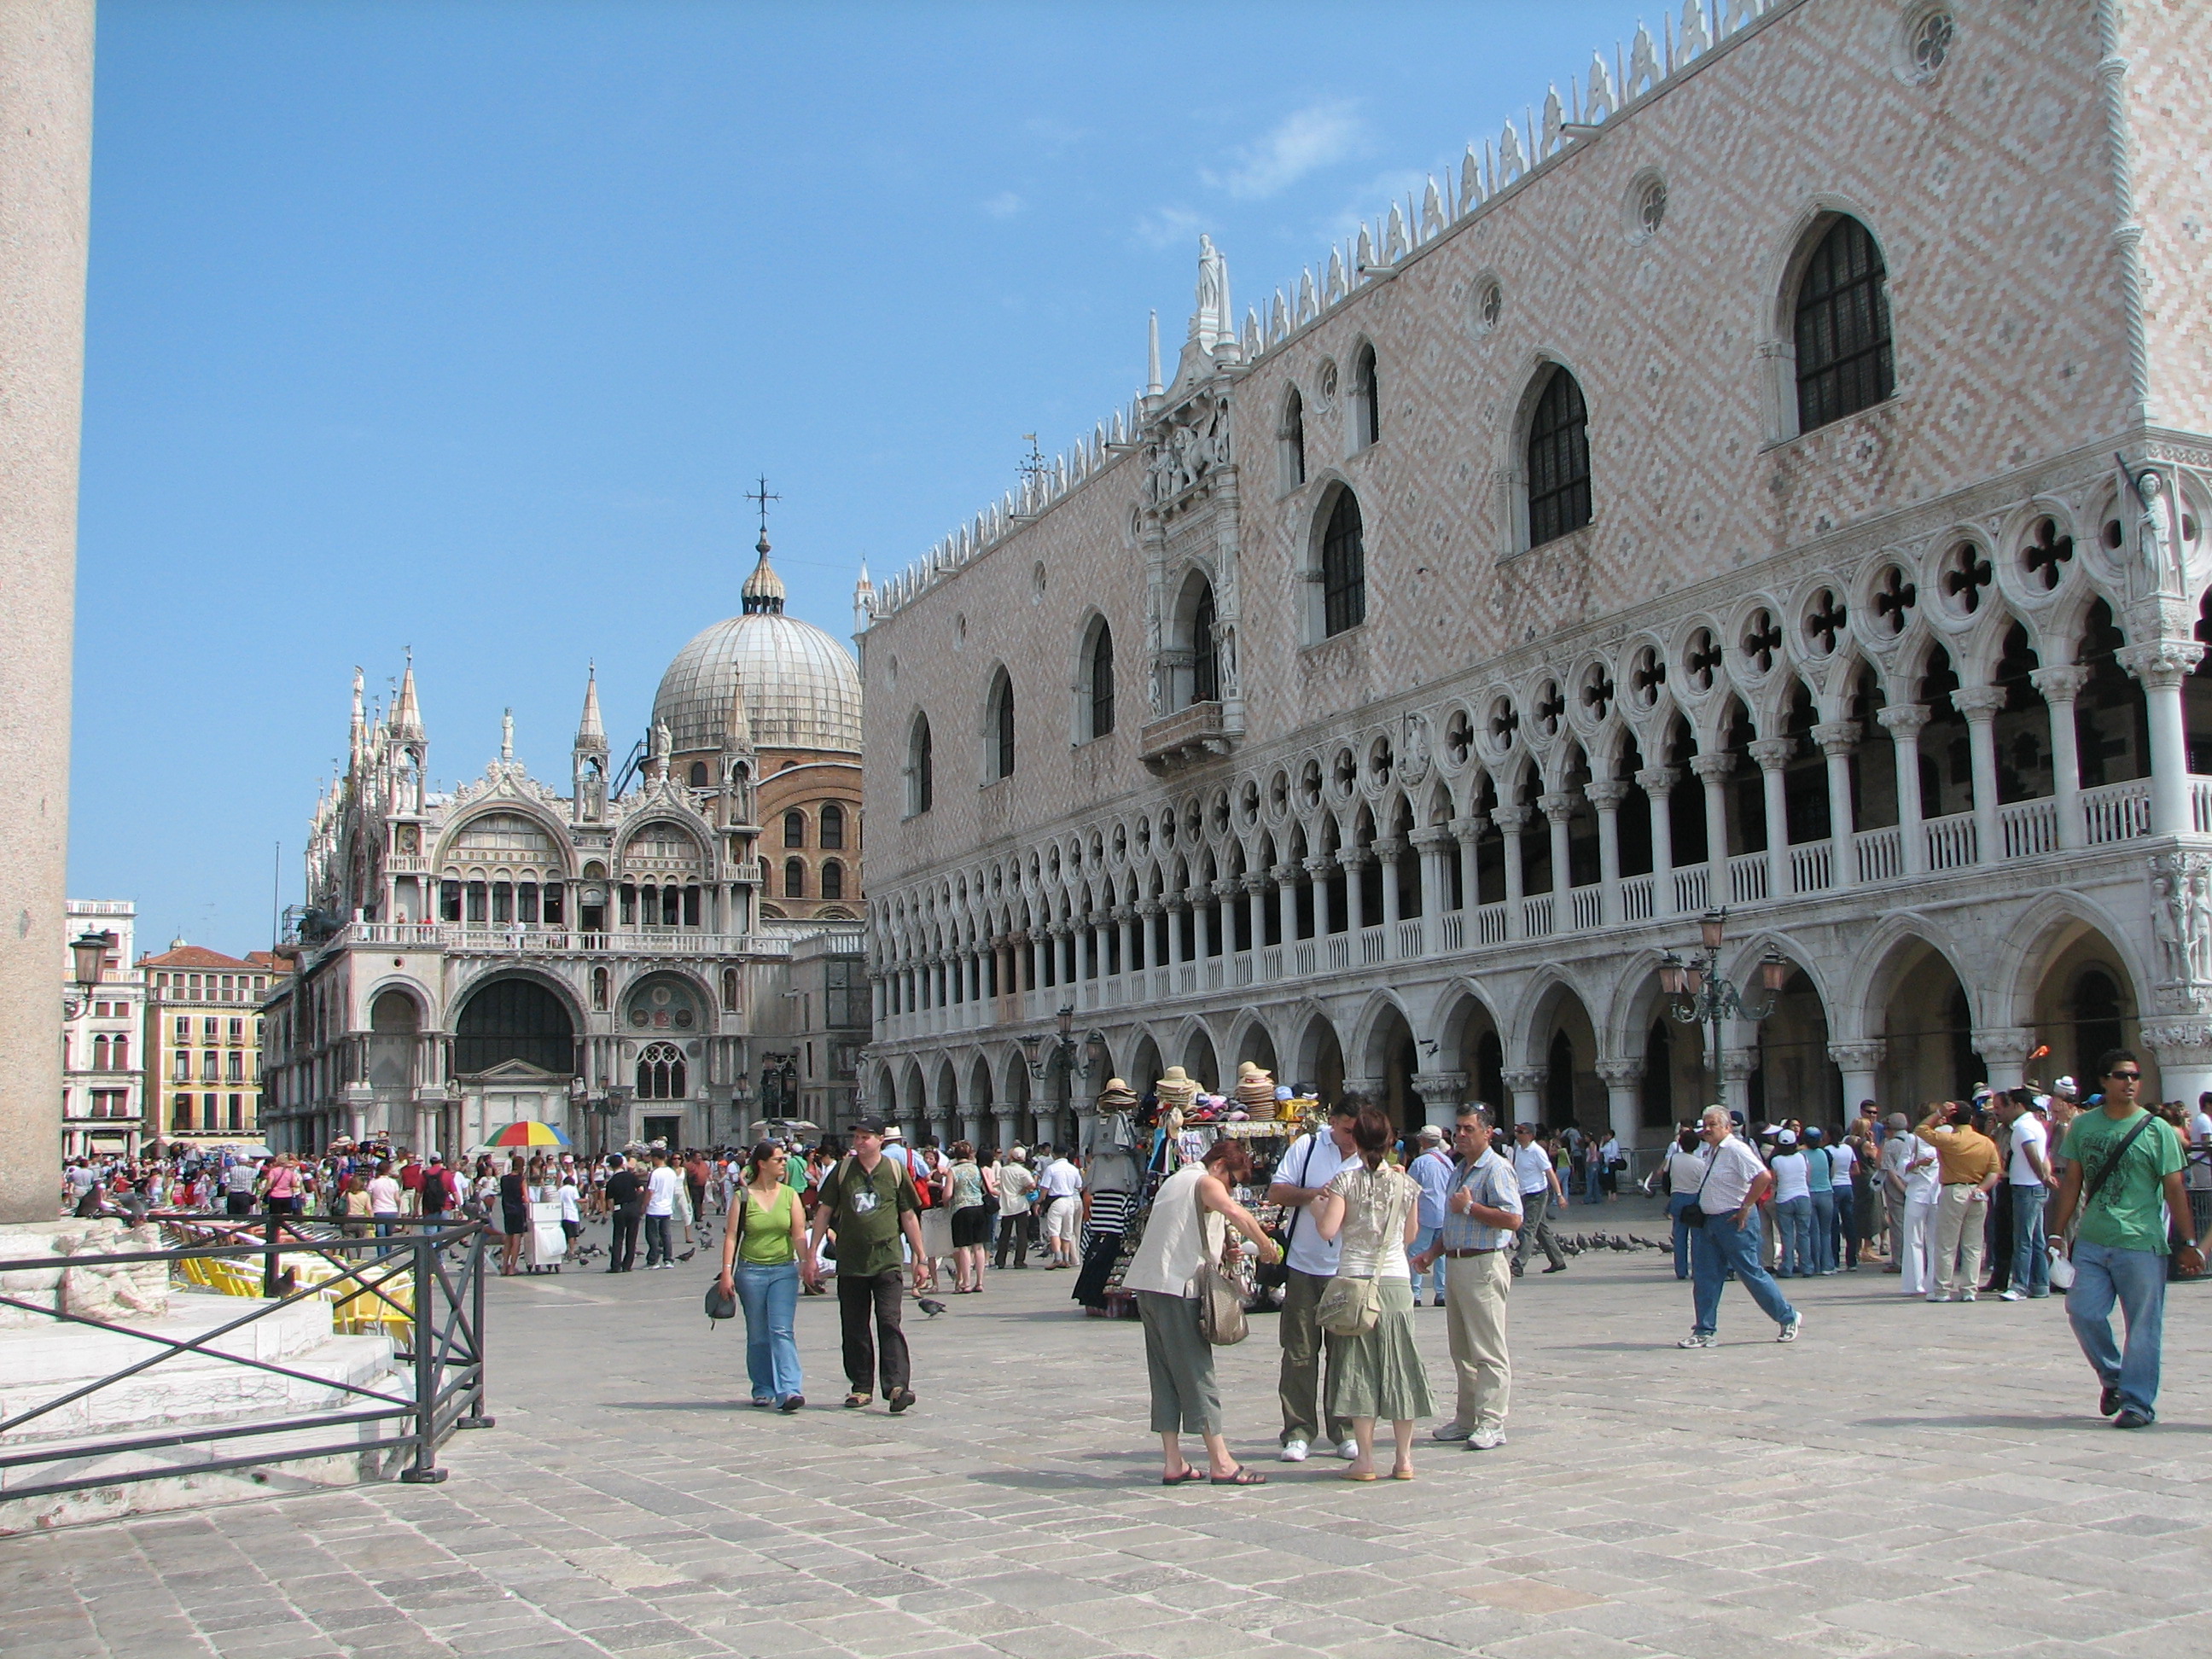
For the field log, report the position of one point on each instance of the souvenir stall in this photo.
(1177, 1128)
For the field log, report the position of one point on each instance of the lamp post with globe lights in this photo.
(1701, 995)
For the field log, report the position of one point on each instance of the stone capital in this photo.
(1471, 826)
(1253, 881)
(1522, 1079)
(1772, 753)
(1557, 804)
(2003, 1045)
(1837, 737)
(1605, 795)
(1151, 908)
(1354, 858)
(1429, 840)
(1738, 1064)
(1124, 913)
(1712, 769)
(2062, 684)
(1319, 865)
(1284, 874)
(1387, 847)
(1511, 820)
(2178, 1040)
(1979, 703)
(1226, 886)
(1659, 780)
(2160, 663)
(1865, 1056)
(1619, 1073)
(1904, 720)
(1440, 1088)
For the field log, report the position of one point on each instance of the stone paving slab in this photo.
(1906, 1479)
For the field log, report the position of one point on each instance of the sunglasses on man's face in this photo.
(2125, 1077)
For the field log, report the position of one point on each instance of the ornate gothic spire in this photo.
(406, 713)
(591, 735)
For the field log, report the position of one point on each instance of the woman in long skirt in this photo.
(1374, 1207)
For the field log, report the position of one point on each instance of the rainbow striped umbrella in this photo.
(528, 1132)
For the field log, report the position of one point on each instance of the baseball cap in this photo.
(1785, 1138)
(2039, 1102)
(1430, 1132)
(868, 1125)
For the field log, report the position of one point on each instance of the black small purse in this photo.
(720, 1307)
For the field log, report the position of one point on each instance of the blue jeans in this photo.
(1678, 1205)
(1422, 1240)
(2136, 1280)
(1823, 1231)
(657, 1246)
(1723, 1246)
(1793, 1220)
(770, 1299)
(2031, 1256)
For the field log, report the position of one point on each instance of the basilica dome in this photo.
(801, 686)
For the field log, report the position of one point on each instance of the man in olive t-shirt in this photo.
(2129, 1165)
(868, 1201)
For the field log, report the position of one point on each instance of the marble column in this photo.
(2162, 666)
(1771, 754)
(1737, 1067)
(1441, 1093)
(1861, 1064)
(1980, 704)
(1905, 722)
(1526, 1084)
(1624, 1100)
(1387, 853)
(1658, 783)
(1557, 806)
(2183, 1044)
(1838, 738)
(1286, 878)
(1511, 822)
(1712, 771)
(2003, 1049)
(1605, 795)
(1469, 831)
(1317, 873)
(2060, 685)
(1354, 860)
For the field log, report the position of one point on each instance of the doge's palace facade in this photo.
(1773, 480)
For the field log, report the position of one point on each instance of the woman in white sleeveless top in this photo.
(1184, 1230)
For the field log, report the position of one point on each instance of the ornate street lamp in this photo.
(1703, 996)
(89, 956)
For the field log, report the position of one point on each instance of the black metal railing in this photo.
(418, 1280)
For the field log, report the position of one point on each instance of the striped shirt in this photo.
(1488, 1180)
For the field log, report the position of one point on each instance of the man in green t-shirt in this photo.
(867, 1203)
(2123, 1174)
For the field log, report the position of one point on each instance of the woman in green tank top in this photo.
(764, 1257)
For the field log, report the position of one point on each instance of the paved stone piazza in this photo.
(1906, 1479)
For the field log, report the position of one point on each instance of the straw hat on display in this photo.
(1177, 1089)
(1117, 1097)
(1255, 1090)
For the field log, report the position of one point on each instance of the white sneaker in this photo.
(1789, 1331)
(1699, 1340)
(1348, 1450)
(1293, 1451)
(1486, 1439)
(2010, 1296)
(1937, 1295)
(1447, 1432)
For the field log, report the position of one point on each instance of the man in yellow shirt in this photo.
(1970, 1168)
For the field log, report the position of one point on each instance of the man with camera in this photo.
(1971, 1171)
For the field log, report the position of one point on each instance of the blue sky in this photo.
(465, 326)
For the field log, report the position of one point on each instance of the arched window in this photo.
(120, 1054)
(1558, 461)
(921, 767)
(794, 828)
(1843, 328)
(1205, 651)
(833, 827)
(729, 990)
(795, 878)
(601, 990)
(1343, 567)
(999, 732)
(698, 775)
(1099, 671)
(833, 880)
(660, 1072)
(1367, 398)
(1294, 436)
(100, 1054)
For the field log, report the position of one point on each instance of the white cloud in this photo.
(1004, 205)
(1316, 137)
(1169, 227)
